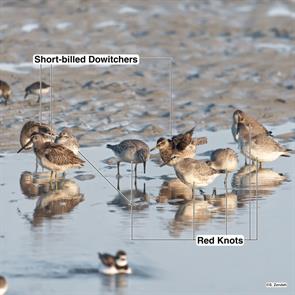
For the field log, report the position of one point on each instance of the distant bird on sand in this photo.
(35, 89)
(5, 91)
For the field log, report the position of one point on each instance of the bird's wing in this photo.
(181, 141)
(107, 259)
(60, 155)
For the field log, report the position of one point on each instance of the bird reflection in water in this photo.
(198, 211)
(225, 202)
(58, 201)
(139, 197)
(33, 185)
(116, 283)
(174, 191)
(51, 201)
(250, 182)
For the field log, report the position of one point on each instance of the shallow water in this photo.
(49, 243)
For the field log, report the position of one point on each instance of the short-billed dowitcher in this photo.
(113, 265)
(261, 147)
(68, 140)
(131, 151)
(241, 117)
(35, 89)
(53, 157)
(32, 127)
(224, 159)
(5, 91)
(183, 145)
(194, 173)
(3, 285)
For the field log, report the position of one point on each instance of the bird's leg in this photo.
(118, 169)
(260, 165)
(56, 181)
(144, 167)
(51, 174)
(246, 161)
(118, 183)
(36, 168)
(225, 180)
(135, 183)
(135, 170)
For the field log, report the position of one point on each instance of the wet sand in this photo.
(226, 56)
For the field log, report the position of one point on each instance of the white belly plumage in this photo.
(260, 154)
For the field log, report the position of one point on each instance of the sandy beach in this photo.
(226, 55)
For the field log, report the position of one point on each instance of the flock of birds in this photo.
(58, 153)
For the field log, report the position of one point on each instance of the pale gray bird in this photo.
(131, 151)
(68, 140)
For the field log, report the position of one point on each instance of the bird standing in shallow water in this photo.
(241, 117)
(117, 264)
(68, 140)
(35, 89)
(32, 127)
(5, 91)
(3, 285)
(261, 147)
(183, 145)
(53, 157)
(224, 159)
(194, 173)
(131, 151)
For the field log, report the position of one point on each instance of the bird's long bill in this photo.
(238, 131)
(26, 95)
(23, 147)
(153, 148)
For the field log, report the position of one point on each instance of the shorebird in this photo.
(3, 285)
(68, 140)
(5, 91)
(35, 89)
(53, 157)
(117, 264)
(183, 145)
(261, 147)
(32, 127)
(241, 117)
(224, 159)
(194, 173)
(131, 151)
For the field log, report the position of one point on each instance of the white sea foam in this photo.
(128, 10)
(280, 47)
(30, 27)
(63, 25)
(280, 10)
(108, 23)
